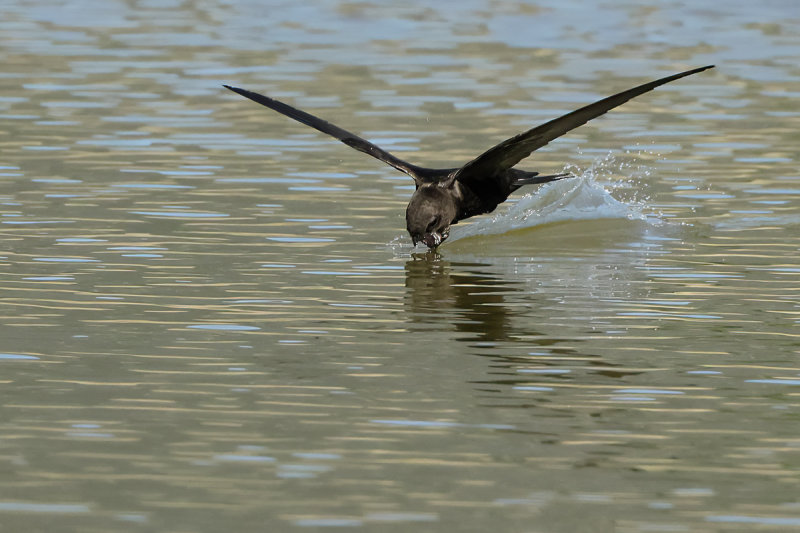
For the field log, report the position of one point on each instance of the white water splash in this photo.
(583, 197)
(578, 198)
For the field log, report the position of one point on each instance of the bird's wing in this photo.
(511, 151)
(350, 139)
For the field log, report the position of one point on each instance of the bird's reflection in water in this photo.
(465, 295)
(490, 312)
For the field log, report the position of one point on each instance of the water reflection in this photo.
(463, 294)
(491, 313)
(204, 329)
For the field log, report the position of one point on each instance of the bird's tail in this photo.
(536, 178)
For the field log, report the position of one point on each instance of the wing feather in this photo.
(350, 139)
(511, 151)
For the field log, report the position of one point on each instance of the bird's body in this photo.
(441, 203)
(445, 196)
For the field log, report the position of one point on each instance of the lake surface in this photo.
(213, 319)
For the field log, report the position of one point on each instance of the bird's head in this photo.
(429, 214)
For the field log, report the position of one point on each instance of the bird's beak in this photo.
(432, 240)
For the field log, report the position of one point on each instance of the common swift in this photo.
(445, 196)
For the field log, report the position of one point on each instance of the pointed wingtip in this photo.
(234, 89)
(693, 71)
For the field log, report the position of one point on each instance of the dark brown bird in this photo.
(445, 196)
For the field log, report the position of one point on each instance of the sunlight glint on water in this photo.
(203, 328)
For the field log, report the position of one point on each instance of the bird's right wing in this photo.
(350, 139)
(511, 151)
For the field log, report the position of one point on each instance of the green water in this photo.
(212, 319)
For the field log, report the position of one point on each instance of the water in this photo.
(213, 319)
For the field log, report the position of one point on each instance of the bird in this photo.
(445, 196)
